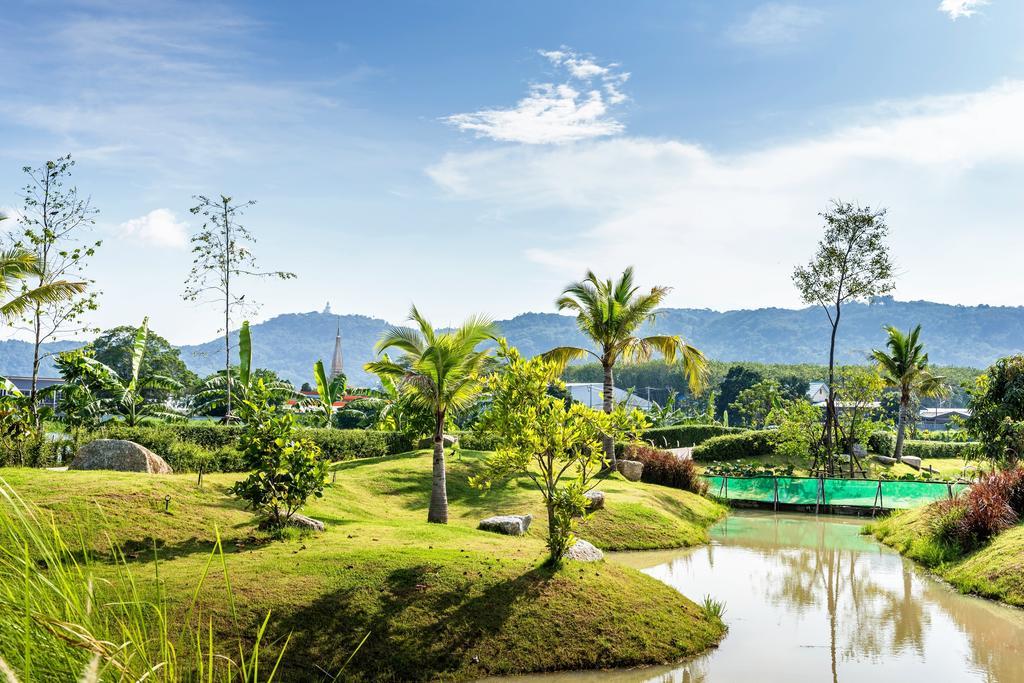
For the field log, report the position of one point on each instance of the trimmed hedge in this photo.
(186, 447)
(746, 444)
(683, 436)
(884, 443)
(478, 441)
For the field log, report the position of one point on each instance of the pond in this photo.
(809, 599)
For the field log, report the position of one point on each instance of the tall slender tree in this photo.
(904, 367)
(852, 264)
(610, 312)
(222, 254)
(440, 371)
(55, 226)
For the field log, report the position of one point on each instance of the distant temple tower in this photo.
(337, 367)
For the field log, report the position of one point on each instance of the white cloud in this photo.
(961, 8)
(774, 24)
(158, 228)
(554, 113)
(728, 228)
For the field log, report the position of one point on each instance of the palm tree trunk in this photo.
(609, 404)
(901, 425)
(438, 512)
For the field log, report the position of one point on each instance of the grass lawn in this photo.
(437, 601)
(995, 571)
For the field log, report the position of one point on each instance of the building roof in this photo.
(592, 394)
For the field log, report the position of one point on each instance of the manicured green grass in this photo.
(995, 571)
(431, 601)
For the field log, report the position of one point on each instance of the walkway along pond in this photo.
(809, 599)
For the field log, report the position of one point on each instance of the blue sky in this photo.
(476, 156)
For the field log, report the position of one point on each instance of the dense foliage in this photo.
(992, 505)
(997, 410)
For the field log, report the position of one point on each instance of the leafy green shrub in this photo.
(662, 467)
(346, 444)
(183, 456)
(735, 446)
(287, 469)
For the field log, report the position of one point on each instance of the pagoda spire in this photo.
(337, 368)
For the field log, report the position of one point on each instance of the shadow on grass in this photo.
(418, 629)
(356, 463)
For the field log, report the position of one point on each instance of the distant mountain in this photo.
(954, 335)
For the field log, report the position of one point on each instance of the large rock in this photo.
(596, 499)
(631, 469)
(510, 525)
(448, 439)
(884, 459)
(584, 551)
(304, 522)
(913, 461)
(119, 455)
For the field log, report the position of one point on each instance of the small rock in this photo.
(304, 522)
(913, 461)
(510, 525)
(596, 499)
(630, 469)
(584, 551)
(884, 459)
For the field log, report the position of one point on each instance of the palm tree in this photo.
(439, 371)
(905, 368)
(125, 395)
(610, 313)
(17, 265)
(329, 391)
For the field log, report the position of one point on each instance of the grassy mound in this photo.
(431, 601)
(995, 571)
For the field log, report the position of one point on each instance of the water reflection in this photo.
(810, 599)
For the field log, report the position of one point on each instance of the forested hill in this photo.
(954, 335)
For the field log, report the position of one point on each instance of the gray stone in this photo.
(913, 461)
(510, 525)
(859, 450)
(631, 469)
(118, 455)
(584, 551)
(304, 522)
(449, 440)
(596, 499)
(884, 459)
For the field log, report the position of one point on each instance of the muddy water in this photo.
(811, 600)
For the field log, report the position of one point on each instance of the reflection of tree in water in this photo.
(865, 618)
(995, 633)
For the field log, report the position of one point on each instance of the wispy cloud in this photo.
(774, 25)
(684, 213)
(961, 8)
(158, 228)
(552, 113)
(161, 85)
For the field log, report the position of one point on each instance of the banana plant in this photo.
(329, 391)
(222, 389)
(124, 396)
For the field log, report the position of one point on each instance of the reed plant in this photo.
(67, 614)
